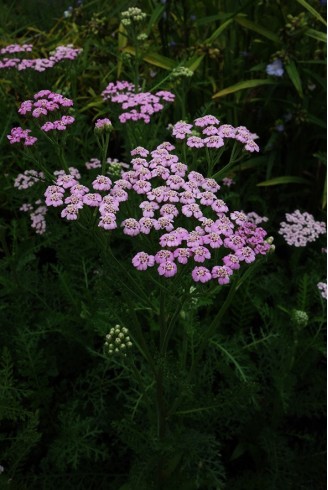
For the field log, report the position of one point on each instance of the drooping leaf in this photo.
(312, 11)
(218, 32)
(154, 59)
(284, 179)
(318, 35)
(243, 86)
(294, 76)
(248, 24)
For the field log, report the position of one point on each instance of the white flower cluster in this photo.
(118, 340)
(133, 14)
(300, 318)
(301, 228)
(181, 72)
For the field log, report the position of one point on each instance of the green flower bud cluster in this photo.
(300, 318)
(118, 340)
(142, 37)
(133, 14)
(181, 72)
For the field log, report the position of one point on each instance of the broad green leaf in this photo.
(154, 17)
(210, 19)
(294, 76)
(218, 32)
(243, 86)
(316, 120)
(154, 59)
(312, 11)
(318, 35)
(285, 179)
(194, 63)
(257, 28)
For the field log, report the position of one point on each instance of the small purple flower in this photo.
(167, 269)
(276, 68)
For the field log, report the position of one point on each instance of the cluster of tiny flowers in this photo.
(103, 124)
(133, 14)
(118, 340)
(37, 215)
(45, 102)
(228, 182)
(37, 64)
(301, 228)
(322, 286)
(256, 219)
(115, 167)
(300, 318)
(135, 106)
(166, 193)
(181, 72)
(16, 48)
(20, 135)
(207, 132)
(28, 178)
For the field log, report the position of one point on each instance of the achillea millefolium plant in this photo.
(162, 242)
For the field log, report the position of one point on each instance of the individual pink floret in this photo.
(163, 256)
(222, 273)
(182, 255)
(70, 212)
(195, 142)
(54, 199)
(246, 254)
(201, 254)
(92, 199)
(206, 121)
(131, 227)
(167, 269)
(108, 222)
(231, 261)
(102, 183)
(142, 261)
(201, 274)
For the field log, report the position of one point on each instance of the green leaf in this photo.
(154, 59)
(242, 86)
(312, 11)
(218, 32)
(294, 76)
(284, 179)
(194, 63)
(318, 35)
(154, 17)
(257, 28)
(121, 43)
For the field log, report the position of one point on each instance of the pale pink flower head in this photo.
(103, 124)
(167, 269)
(163, 256)
(107, 221)
(201, 274)
(142, 261)
(131, 227)
(206, 121)
(301, 229)
(70, 212)
(102, 183)
(92, 199)
(222, 273)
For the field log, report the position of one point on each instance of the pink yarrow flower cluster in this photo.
(181, 209)
(43, 104)
(37, 215)
(207, 132)
(301, 229)
(18, 135)
(37, 64)
(322, 286)
(28, 178)
(135, 105)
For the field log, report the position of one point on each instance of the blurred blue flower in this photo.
(280, 128)
(276, 68)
